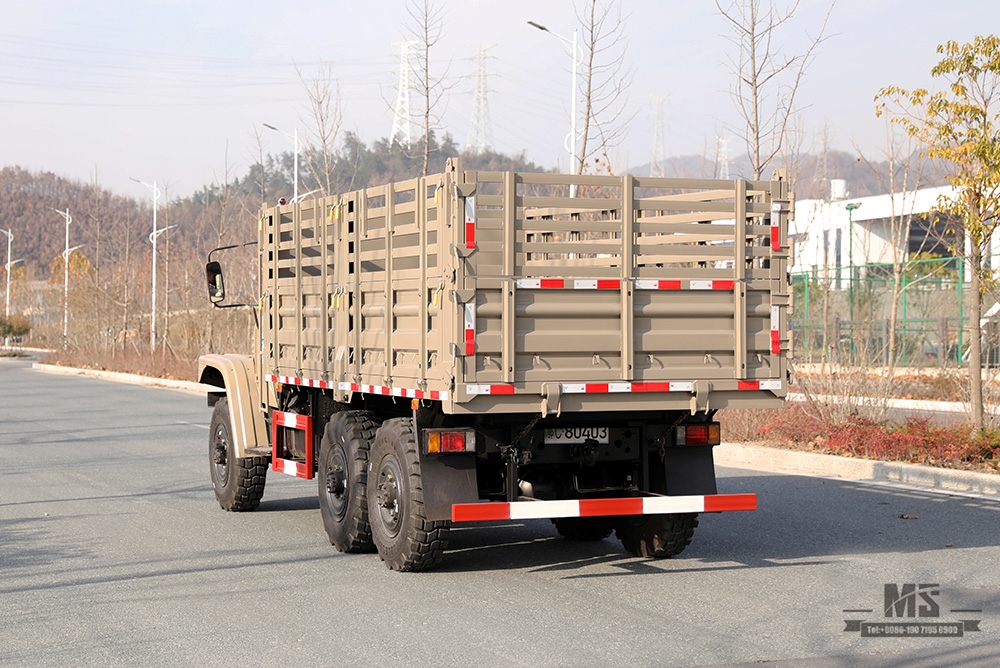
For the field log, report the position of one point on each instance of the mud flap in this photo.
(447, 479)
(690, 470)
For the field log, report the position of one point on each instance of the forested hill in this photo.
(113, 229)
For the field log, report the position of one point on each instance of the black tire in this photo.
(656, 536)
(584, 528)
(238, 481)
(343, 479)
(406, 540)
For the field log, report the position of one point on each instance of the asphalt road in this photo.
(113, 552)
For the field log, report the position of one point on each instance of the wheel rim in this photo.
(388, 495)
(220, 455)
(336, 478)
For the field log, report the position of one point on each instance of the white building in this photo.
(841, 232)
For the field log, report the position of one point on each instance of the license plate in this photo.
(577, 435)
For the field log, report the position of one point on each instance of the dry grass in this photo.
(158, 366)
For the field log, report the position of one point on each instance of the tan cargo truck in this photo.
(478, 346)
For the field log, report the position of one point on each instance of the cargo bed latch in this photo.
(551, 399)
(699, 401)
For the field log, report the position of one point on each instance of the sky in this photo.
(172, 90)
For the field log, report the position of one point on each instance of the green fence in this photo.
(844, 316)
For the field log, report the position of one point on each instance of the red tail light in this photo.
(699, 434)
(437, 441)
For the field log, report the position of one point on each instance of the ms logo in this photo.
(911, 600)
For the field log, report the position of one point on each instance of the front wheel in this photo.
(405, 538)
(238, 481)
(656, 536)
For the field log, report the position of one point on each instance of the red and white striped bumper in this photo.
(645, 505)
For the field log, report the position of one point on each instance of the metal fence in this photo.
(843, 316)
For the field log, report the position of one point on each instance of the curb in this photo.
(763, 458)
(899, 404)
(131, 378)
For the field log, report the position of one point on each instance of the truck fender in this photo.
(235, 376)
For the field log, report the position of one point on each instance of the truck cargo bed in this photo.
(498, 291)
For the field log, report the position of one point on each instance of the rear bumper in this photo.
(646, 505)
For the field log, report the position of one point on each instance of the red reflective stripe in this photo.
(608, 284)
(501, 389)
(775, 342)
(596, 387)
(470, 512)
(604, 507)
(470, 234)
(748, 385)
(716, 503)
(723, 285)
(650, 387)
(670, 285)
(470, 342)
(775, 238)
(553, 283)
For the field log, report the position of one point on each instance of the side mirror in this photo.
(216, 286)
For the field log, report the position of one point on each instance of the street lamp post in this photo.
(295, 141)
(153, 237)
(69, 219)
(851, 207)
(10, 263)
(10, 239)
(577, 55)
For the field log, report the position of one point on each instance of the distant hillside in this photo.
(111, 227)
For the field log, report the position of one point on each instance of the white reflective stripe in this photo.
(531, 510)
(477, 389)
(286, 466)
(528, 283)
(619, 387)
(344, 386)
(775, 318)
(470, 209)
(770, 384)
(701, 285)
(584, 285)
(682, 387)
(657, 505)
(646, 284)
(574, 388)
(470, 316)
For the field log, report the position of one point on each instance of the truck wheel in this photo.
(656, 536)
(405, 538)
(584, 528)
(343, 480)
(238, 481)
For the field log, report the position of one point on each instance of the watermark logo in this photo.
(912, 610)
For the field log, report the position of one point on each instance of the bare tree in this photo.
(258, 156)
(767, 80)
(426, 26)
(325, 116)
(902, 176)
(606, 79)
